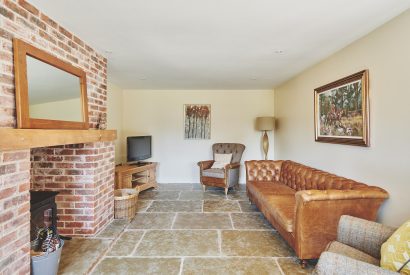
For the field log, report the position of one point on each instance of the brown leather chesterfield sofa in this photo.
(305, 204)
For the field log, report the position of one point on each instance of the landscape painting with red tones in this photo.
(197, 121)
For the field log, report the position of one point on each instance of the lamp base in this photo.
(265, 144)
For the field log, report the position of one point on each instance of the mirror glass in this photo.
(53, 93)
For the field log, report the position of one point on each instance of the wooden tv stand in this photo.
(138, 176)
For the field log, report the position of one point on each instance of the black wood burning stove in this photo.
(43, 209)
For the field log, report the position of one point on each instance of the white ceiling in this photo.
(217, 44)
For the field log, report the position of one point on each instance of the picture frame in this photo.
(341, 111)
(197, 121)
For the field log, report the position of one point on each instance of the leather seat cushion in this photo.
(214, 173)
(282, 208)
(340, 248)
(263, 188)
(278, 199)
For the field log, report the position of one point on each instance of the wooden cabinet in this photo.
(139, 176)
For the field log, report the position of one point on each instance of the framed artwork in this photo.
(197, 121)
(342, 111)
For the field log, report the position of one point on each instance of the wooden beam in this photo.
(15, 139)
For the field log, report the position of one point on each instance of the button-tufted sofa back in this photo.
(301, 177)
(263, 170)
(236, 149)
(298, 176)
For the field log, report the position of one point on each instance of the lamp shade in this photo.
(266, 123)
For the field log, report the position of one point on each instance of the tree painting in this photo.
(340, 111)
(197, 121)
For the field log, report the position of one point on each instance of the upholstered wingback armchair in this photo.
(356, 249)
(227, 176)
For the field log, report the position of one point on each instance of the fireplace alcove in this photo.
(79, 164)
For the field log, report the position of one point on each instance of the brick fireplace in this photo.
(82, 173)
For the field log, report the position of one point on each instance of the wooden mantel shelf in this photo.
(15, 139)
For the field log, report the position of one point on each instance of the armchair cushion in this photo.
(236, 149)
(395, 252)
(340, 248)
(214, 173)
(221, 160)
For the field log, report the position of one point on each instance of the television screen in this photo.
(138, 148)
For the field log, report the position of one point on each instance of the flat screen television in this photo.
(138, 148)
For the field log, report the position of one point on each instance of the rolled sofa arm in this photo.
(332, 263)
(206, 164)
(367, 236)
(318, 213)
(320, 195)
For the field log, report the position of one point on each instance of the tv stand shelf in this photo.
(141, 176)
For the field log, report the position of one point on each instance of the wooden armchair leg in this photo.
(204, 187)
(226, 191)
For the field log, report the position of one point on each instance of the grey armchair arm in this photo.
(332, 263)
(232, 173)
(364, 235)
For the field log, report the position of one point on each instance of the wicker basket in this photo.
(125, 203)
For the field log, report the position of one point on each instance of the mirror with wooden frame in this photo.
(50, 93)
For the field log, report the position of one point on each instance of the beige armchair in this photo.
(356, 249)
(229, 175)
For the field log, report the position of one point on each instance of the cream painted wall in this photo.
(385, 52)
(160, 114)
(68, 110)
(115, 116)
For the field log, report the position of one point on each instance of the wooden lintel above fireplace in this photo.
(15, 139)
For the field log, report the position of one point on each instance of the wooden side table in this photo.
(140, 176)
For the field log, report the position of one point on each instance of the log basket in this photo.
(125, 203)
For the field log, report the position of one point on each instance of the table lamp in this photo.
(265, 124)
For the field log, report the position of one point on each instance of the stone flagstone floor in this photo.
(179, 229)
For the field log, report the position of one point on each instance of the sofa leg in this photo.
(226, 191)
(303, 263)
(204, 187)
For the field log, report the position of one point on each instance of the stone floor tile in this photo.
(175, 206)
(79, 254)
(246, 206)
(233, 266)
(158, 195)
(175, 186)
(250, 221)
(238, 195)
(221, 206)
(138, 266)
(254, 243)
(113, 229)
(152, 221)
(291, 266)
(142, 205)
(201, 195)
(126, 243)
(202, 221)
(179, 243)
(198, 186)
